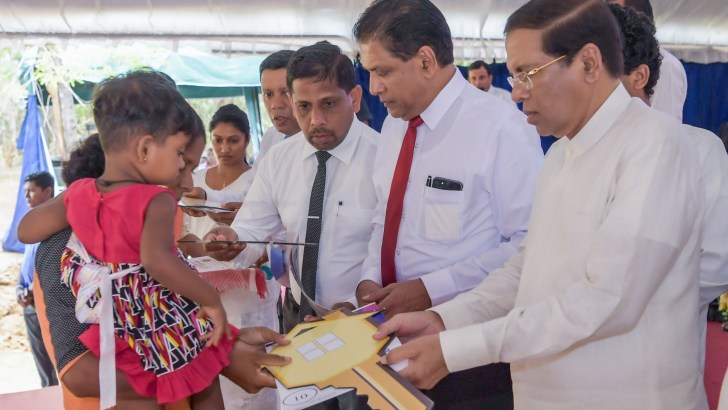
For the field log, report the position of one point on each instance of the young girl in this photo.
(163, 312)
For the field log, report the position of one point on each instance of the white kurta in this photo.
(244, 308)
(599, 308)
(279, 198)
(448, 238)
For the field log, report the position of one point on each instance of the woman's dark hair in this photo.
(231, 114)
(140, 102)
(85, 161)
(643, 6)
(640, 44)
(402, 27)
(569, 25)
(320, 62)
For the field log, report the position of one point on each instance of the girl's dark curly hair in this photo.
(85, 161)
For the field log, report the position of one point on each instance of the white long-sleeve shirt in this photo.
(599, 308)
(672, 87)
(279, 198)
(452, 239)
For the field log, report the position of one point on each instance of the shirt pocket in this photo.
(352, 230)
(442, 215)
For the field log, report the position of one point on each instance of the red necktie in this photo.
(394, 205)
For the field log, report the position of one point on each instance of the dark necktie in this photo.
(393, 215)
(313, 235)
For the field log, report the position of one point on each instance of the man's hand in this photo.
(223, 251)
(25, 297)
(196, 193)
(366, 288)
(426, 364)
(407, 296)
(409, 326)
(226, 218)
(249, 355)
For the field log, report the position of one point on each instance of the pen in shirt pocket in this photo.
(341, 203)
(429, 181)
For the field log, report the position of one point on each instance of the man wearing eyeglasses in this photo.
(598, 310)
(454, 174)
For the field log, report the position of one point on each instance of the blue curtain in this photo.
(706, 105)
(35, 159)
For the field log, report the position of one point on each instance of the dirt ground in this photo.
(17, 370)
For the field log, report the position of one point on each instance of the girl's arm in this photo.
(43, 221)
(162, 263)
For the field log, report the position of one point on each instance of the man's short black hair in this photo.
(141, 102)
(276, 61)
(477, 64)
(405, 26)
(569, 25)
(42, 180)
(322, 61)
(640, 44)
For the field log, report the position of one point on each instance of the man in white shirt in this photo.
(480, 76)
(276, 102)
(598, 310)
(641, 70)
(672, 87)
(460, 206)
(325, 97)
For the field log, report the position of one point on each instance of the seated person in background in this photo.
(230, 135)
(480, 76)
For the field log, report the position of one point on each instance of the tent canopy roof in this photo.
(263, 26)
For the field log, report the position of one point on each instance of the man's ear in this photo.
(355, 96)
(590, 59)
(640, 76)
(426, 61)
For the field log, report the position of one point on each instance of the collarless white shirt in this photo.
(279, 199)
(671, 88)
(452, 239)
(599, 308)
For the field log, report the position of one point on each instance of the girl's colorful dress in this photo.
(158, 336)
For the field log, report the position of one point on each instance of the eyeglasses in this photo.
(524, 79)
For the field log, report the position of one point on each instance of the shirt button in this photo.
(397, 253)
(569, 153)
(409, 180)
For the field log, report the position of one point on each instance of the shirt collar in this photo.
(344, 152)
(444, 100)
(601, 121)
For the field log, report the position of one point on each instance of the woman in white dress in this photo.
(230, 135)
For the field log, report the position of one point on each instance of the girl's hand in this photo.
(220, 328)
